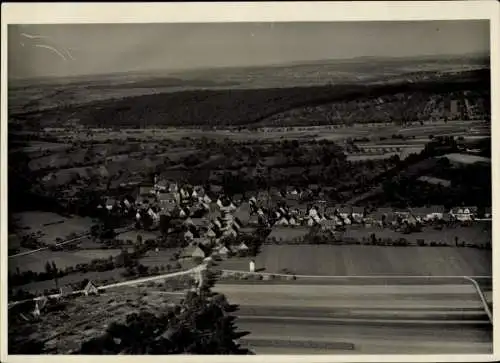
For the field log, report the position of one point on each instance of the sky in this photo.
(79, 49)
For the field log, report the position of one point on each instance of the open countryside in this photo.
(338, 206)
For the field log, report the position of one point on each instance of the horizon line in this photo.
(478, 54)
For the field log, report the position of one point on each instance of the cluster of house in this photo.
(207, 216)
(210, 215)
(339, 215)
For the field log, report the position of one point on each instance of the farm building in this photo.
(193, 252)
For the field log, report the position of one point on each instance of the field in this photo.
(36, 261)
(51, 225)
(370, 260)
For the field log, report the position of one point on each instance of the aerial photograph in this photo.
(250, 188)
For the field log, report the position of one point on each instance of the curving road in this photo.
(386, 319)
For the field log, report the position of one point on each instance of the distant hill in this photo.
(244, 107)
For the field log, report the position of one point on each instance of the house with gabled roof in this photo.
(193, 252)
(90, 289)
(223, 251)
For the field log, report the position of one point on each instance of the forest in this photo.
(240, 107)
